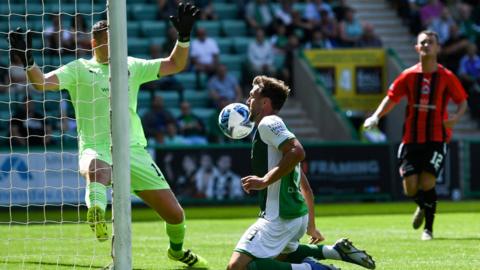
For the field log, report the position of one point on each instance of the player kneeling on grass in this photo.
(87, 81)
(287, 208)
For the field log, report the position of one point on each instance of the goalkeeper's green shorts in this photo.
(144, 173)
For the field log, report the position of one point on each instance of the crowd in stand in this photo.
(277, 30)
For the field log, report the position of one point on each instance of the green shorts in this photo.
(144, 173)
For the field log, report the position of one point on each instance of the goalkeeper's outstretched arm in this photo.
(20, 46)
(183, 23)
(41, 81)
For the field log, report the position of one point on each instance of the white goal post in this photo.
(122, 244)
(42, 202)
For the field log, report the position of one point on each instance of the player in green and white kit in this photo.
(87, 81)
(286, 199)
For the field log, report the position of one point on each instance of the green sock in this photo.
(304, 251)
(264, 264)
(176, 234)
(97, 195)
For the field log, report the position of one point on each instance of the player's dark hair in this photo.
(99, 28)
(276, 90)
(430, 33)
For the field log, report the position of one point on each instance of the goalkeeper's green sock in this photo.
(319, 252)
(176, 234)
(97, 195)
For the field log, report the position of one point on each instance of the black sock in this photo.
(303, 251)
(419, 198)
(430, 205)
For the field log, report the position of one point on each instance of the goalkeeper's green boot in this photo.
(189, 258)
(96, 220)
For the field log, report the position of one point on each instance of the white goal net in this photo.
(42, 205)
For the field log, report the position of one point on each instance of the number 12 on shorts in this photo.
(436, 160)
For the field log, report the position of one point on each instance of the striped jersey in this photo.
(282, 198)
(428, 95)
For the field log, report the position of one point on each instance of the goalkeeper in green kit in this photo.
(87, 82)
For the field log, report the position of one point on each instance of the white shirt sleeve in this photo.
(273, 131)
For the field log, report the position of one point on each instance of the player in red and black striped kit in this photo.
(428, 87)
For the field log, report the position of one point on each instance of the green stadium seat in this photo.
(138, 46)
(197, 98)
(188, 80)
(133, 29)
(233, 28)
(232, 61)
(144, 12)
(158, 41)
(240, 44)
(225, 45)
(59, 7)
(89, 8)
(170, 98)
(203, 113)
(153, 28)
(225, 10)
(213, 28)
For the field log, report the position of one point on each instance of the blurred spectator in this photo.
(191, 126)
(350, 29)
(226, 184)
(260, 55)
(155, 121)
(442, 25)
(169, 43)
(184, 185)
(223, 85)
(207, 11)
(318, 41)
(469, 73)
(453, 49)
(204, 54)
(279, 40)
(329, 27)
(340, 8)
(28, 127)
(431, 11)
(290, 51)
(171, 136)
(284, 12)
(369, 39)
(165, 8)
(466, 23)
(260, 14)
(302, 27)
(81, 40)
(58, 40)
(313, 9)
(204, 177)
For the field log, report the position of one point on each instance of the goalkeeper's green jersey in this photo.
(87, 81)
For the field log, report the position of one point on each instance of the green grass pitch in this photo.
(383, 229)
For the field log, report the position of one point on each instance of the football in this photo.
(233, 121)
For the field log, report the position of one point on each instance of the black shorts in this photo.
(414, 158)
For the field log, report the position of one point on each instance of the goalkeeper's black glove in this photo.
(20, 48)
(183, 22)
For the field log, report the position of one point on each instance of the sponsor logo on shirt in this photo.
(276, 127)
